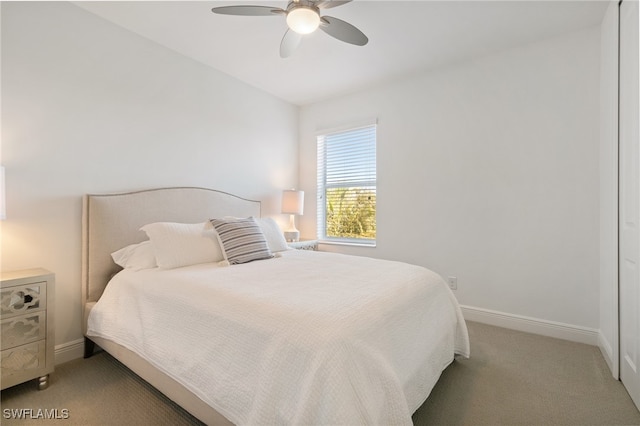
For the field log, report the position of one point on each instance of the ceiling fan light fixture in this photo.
(303, 20)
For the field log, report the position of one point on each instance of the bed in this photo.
(298, 337)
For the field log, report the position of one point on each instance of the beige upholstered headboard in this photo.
(112, 221)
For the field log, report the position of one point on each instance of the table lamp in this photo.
(292, 204)
(3, 204)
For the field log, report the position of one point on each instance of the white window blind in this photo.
(347, 185)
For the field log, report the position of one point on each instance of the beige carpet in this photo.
(515, 378)
(512, 378)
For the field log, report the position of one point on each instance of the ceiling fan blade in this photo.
(328, 4)
(248, 10)
(343, 31)
(289, 43)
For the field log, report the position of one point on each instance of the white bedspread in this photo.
(305, 338)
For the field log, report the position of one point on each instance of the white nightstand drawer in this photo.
(23, 329)
(23, 359)
(23, 299)
(304, 245)
(27, 326)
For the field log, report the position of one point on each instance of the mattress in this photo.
(303, 338)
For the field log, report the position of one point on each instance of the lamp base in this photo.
(292, 236)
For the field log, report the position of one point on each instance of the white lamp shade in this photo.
(303, 20)
(3, 208)
(292, 201)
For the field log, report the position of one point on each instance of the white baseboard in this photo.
(542, 327)
(69, 351)
(608, 355)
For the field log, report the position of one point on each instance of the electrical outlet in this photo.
(453, 283)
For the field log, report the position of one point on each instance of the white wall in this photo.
(88, 107)
(608, 338)
(488, 171)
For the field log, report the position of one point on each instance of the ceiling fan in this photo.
(303, 17)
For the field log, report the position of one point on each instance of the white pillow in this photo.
(273, 234)
(136, 256)
(183, 244)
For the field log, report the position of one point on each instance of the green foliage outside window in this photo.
(351, 213)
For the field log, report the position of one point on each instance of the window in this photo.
(347, 186)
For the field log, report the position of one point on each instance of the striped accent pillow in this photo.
(242, 240)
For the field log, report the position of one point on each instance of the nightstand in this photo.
(304, 245)
(26, 321)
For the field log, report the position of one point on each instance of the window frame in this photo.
(321, 209)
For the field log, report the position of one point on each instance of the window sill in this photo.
(347, 243)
